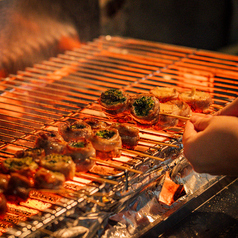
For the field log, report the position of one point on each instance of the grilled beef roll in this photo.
(48, 179)
(145, 109)
(51, 142)
(81, 151)
(59, 163)
(25, 166)
(129, 134)
(3, 205)
(95, 123)
(164, 94)
(75, 130)
(35, 153)
(18, 185)
(197, 100)
(115, 102)
(107, 143)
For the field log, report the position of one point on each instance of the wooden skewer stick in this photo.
(116, 166)
(143, 154)
(176, 116)
(96, 178)
(159, 143)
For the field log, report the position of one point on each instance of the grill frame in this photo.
(107, 62)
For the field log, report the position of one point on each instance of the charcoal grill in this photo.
(69, 85)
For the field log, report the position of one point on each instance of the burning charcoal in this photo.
(170, 191)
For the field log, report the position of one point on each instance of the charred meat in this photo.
(129, 134)
(145, 109)
(197, 100)
(35, 153)
(75, 130)
(107, 143)
(3, 205)
(81, 151)
(95, 123)
(4, 180)
(51, 142)
(164, 94)
(114, 101)
(59, 163)
(48, 179)
(25, 166)
(19, 185)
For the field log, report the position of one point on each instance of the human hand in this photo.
(211, 144)
(230, 110)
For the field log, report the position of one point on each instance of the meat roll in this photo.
(81, 151)
(164, 94)
(59, 163)
(129, 134)
(51, 142)
(115, 102)
(107, 143)
(75, 130)
(48, 179)
(145, 109)
(197, 100)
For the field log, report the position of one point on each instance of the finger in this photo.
(200, 123)
(189, 131)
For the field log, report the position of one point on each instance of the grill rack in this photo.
(69, 85)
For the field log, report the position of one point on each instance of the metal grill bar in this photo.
(69, 85)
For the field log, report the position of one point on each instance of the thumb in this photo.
(200, 123)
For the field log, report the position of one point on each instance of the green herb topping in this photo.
(112, 97)
(143, 105)
(105, 134)
(77, 144)
(77, 126)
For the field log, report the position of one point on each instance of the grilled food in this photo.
(173, 107)
(115, 102)
(75, 130)
(48, 179)
(18, 186)
(164, 94)
(197, 100)
(4, 180)
(95, 123)
(107, 143)
(25, 166)
(59, 163)
(145, 109)
(3, 205)
(51, 142)
(35, 153)
(81, 151)
(129, 134)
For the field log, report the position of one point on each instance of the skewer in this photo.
(143, 154)
(176, 116)
(116, 166)
(159, 143)
(96, 178)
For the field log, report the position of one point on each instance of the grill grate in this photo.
(69, 85)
